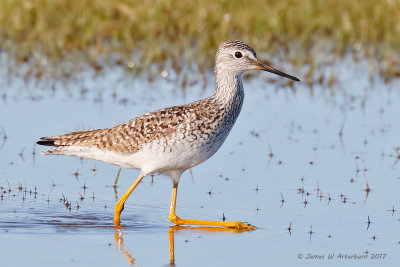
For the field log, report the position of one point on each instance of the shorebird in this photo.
(171, 140)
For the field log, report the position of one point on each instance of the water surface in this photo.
(309, 168)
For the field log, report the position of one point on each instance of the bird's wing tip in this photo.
(46, 142)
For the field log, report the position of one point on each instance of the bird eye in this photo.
(238, 54)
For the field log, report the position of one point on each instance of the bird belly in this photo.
(177, 157)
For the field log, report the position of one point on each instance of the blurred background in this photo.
(46, 33)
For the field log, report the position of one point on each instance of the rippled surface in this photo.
(308, 168)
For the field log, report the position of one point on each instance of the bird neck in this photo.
(229, 88)
(228, 95)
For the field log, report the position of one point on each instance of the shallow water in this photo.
(322, 162)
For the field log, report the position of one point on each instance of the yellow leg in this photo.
(175, 219)
(120, 204)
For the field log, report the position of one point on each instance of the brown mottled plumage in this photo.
(189, 120)
(174, 139)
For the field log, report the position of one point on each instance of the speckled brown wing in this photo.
(129, 136)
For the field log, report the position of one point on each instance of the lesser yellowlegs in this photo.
(173, 139)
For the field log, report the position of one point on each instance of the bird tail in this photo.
(61, 142)
(67, 139)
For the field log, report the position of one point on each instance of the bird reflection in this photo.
(119, 241)
(119, 244)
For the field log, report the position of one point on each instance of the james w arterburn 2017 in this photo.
(341, 256)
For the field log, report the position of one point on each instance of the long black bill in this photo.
(265, 67)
